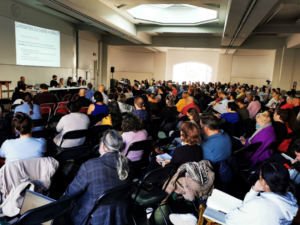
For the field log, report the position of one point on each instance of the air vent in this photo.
(58, 12)
(110, 29)
(265, 34)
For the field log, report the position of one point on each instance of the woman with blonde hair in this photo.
(265, 134)
(182, 102)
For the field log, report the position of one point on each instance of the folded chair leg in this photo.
(162, 213)
(133, 219)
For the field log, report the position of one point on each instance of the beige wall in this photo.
(160, 63)
(210, 58)
(296, 70)
(8, 68)
(224, 68)
(252, 69)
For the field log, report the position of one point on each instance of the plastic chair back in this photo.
(99, 129)
(45, 111)
(113, 196)
(67, 97)
(73, 153)
(160, 174)
(84, 110)
(62, 104)
(61, 110)
(47, 212)
(48, 105)
(139, 145)
(39, 123)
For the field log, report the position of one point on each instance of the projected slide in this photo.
(36, 46)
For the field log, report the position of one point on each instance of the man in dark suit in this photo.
(97, 176)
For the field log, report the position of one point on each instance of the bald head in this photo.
(189, 100)
(101, 88)
(81, 92)
(296, 101)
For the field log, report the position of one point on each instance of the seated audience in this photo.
(89, 92)
(182, 89)
(151, 103)
(221, 106)
(188, 151)
(265, 134)
(231, 116)
(254, 107)
(98, 107)
(189, 104)
(241, 94)
(193, 116)
(30, 109)
(139, 110)
(25, 147)
(174, 90)
(96, 177)
(272, 104)
(133, 131)
(182, 102)
(129, 93)
(18, 94)
(296, 103)
(242, 111)
(248, 99)
(123, 106)
(84, 102)
(285, 122)
(136, 90)
(71, 122)
(282, 101)
(45, 96)
(288, 104)
(169, 110)
(53, 82)
(264, 97)
(272, 200)
(214, 138)
(114, 116)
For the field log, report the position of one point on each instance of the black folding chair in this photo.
(75, 134)
(138, 146)
(47, 212)
(97, 118)
(155, 196)
(113, 196)
(46, 134)
(39, 123)
(73, 153)
(164, 143)
(13, 107)
(245, 163)
(53, 121)
(3, 102)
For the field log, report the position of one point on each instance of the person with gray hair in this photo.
(189, 104)
(98, 176)
(248, 99)
(122, 105)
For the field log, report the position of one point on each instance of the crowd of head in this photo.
(206, 118)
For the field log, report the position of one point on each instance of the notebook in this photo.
(164, 156)
(33, 200)
(219, 204)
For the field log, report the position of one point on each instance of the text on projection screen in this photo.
(36, 46)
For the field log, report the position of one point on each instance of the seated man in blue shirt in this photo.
(232, 115)
(216, 145)
(139, 111)
(89, 93)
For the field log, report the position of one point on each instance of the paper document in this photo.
(164, 156)
(219, 204)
